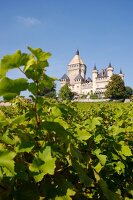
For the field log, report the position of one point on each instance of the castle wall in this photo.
(87, 88)
(73, 71)
(101, 83)
(80, 86)
(76, 88)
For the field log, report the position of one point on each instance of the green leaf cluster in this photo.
(115, 88)
(65, 93)
(53, 150)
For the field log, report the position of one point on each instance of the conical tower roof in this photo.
(78, 77)
(65, 77)
(120, 72)
(76, 59)
(94, 68)
(109, 66)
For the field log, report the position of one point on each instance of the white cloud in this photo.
(28, 21)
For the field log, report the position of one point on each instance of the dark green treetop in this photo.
(115, 88)
(65, 93)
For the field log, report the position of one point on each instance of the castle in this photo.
(80, 85)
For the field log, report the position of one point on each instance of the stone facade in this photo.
(79, 84)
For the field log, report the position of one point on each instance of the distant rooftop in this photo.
(76, 59)
(78, 77)
(65, 77)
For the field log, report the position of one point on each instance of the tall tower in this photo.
(94, 76)
(121, 74)
(110, 70)
(76, 67)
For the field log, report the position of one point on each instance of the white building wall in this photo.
(78, 88)
(94, 76)
(83, 71)
(101, 83)
(73, 71)
(77, 67)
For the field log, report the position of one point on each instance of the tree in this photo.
(65, 93)
(49, 92)
(129, 92)
(115, 88)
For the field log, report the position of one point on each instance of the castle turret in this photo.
(64, 80)
(75, 67)
(94, 76)
(110, 70)
(121, 74)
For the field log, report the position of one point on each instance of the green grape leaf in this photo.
(35, 165)
(107, 192)
(38, 176)
(96, 121)
(84, 178)
(115, 130)
(57, 128)
(21, 171)
(62, 122)
(49, 162)
(11, 88)
(32, 88)
(18, 120)
(30, 63)
(39, 54)
(102, 158)
(66, 197)
(7, 172)
(15, 60)
(43, 163)
(1, 174)
(6, 160)
(27, 191)
(46, 82)
(8, 138)
(92, 123)
(115, 157)
(75, 153)
(98, 167)
(25, 146)
(49, 166)
(98, 138)
(120, 167)
(56, 112)
(126, 151)
(67, 188)
(82, 134)
(3, 120)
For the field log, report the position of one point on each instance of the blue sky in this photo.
(102, 30)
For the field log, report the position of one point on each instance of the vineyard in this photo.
(53, 150)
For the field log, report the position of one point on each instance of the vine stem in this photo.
(22, 71)
(36, 98)
(36, 114)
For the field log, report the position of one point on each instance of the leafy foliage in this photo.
(129, 92)
(65, 93)
(115, 88)
(50, 93)
(11, 88)
(51, 150)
